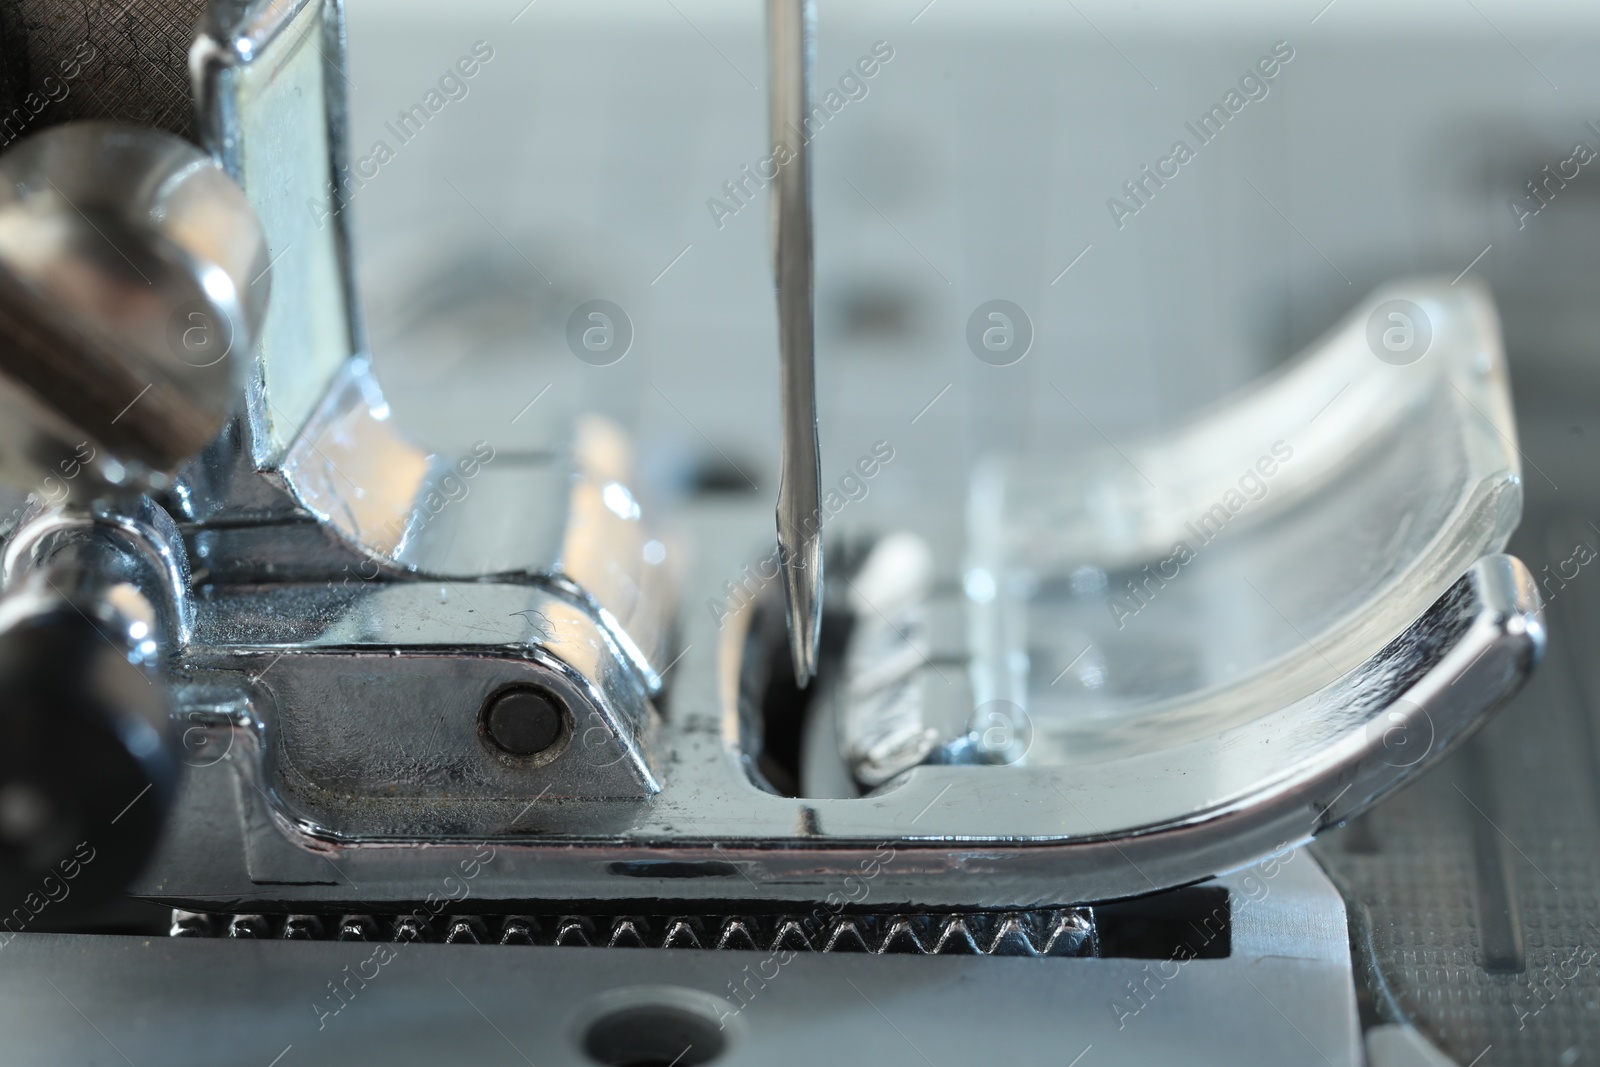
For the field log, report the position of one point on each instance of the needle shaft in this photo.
(792, 30)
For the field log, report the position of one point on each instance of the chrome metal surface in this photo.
(318, 483)
(358, 598)
(792, 34)
(90, 623)
(270, 92)
(352, 596)
(1028, 834)
(368, 698)
(314, 504)
(147, 542)
(570, 518)
(885, 714)
(133, 281)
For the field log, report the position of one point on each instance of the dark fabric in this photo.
(127, 60)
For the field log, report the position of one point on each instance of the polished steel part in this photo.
(317, 483)
(89, 756)
(792, 31)
(369, 698)
(149, 555)
(1055, 933)
(316, 507)
(133, 284)
(354, 615)
(270, 92)
(1008, 836)
(887, 713)
(314, 502)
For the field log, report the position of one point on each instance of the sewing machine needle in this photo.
(792, 31)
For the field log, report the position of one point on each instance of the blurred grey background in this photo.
(579, 163)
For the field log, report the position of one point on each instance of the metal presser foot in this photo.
(284, 669)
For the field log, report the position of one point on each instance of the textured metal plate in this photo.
(1285, 993)
(1473, 893)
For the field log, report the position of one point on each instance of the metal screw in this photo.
(524, 720)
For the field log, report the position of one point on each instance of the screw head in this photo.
(524, 720)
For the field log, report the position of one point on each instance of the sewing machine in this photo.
(397, 587)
